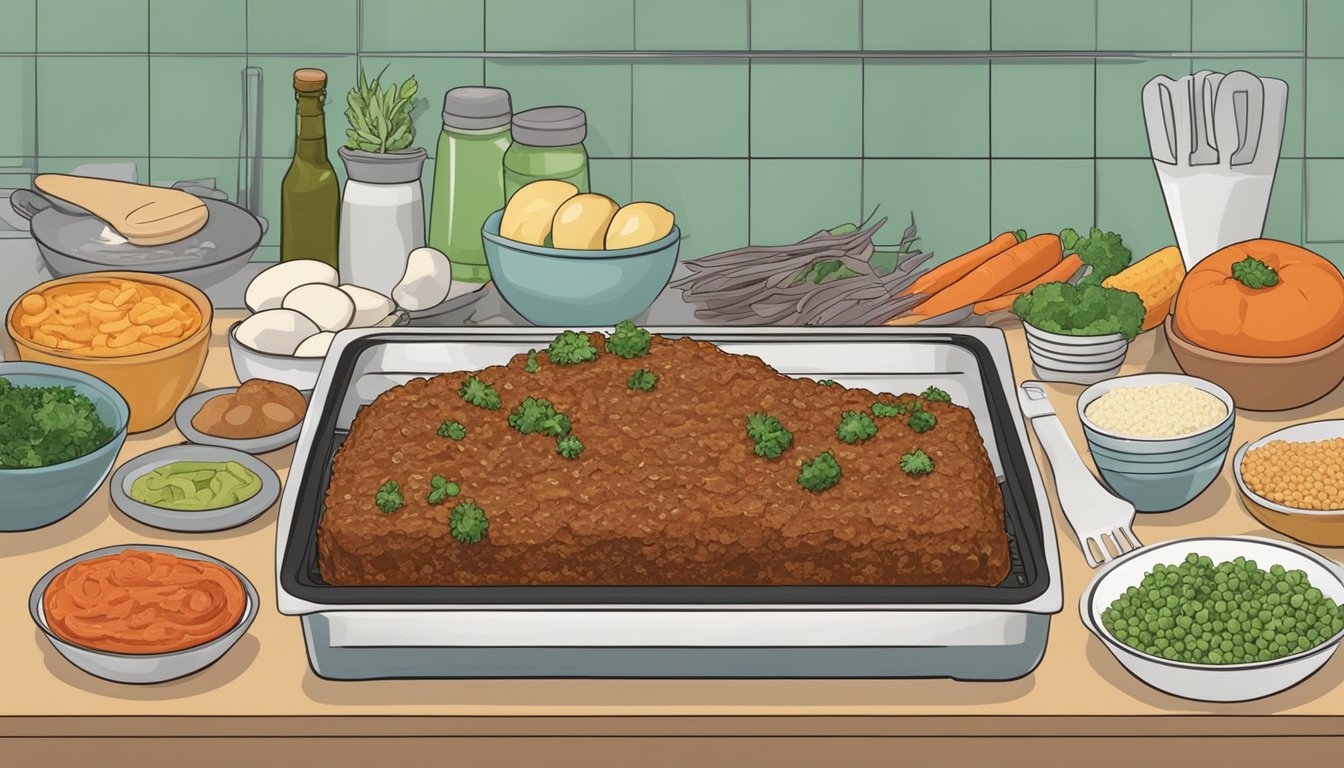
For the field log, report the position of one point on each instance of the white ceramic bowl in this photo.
(298, 372)
(1075, 359)
(144, 668)
(1213, 682)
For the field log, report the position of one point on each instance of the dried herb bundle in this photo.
(835, 277)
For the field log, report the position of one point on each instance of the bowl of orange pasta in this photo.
(146, 335)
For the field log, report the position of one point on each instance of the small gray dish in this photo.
(264, 444)
(143, 668)
(203, 521)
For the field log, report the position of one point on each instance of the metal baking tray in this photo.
(965, 632)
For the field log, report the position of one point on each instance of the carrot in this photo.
(1013, 267)
(1061, 272)
(950, 272)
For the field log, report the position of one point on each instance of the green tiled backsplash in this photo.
(760, 120)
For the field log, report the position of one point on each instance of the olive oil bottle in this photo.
(310, 196)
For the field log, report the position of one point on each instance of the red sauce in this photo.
(143, 602)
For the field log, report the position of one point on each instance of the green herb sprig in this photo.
(769, 435)
(380, 119)
(643, 380)
(441, 489)
(467, 522)
(389, 498)
(480, 394)
(917, 463)
(820, 473)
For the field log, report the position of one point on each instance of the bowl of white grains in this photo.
(1158, 439)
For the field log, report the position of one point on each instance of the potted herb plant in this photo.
(382, 209)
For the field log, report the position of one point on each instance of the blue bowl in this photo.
(1099, 450)
(33, 498)
(1165, 491)
(1158, 474)
(563, 287)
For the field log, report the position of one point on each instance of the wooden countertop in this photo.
(265, 687)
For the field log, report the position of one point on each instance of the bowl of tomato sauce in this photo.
(92, 609)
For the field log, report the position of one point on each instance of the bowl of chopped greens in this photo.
(1078, 333)
(60, 432)
(1230, 618)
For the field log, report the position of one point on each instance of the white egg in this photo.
(370, 306)
(426, 282)
(275, 331)
(268, 289)
(315, 345)
(331, 309)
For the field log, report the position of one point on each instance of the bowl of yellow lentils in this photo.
(1292, 481)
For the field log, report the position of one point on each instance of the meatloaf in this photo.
(668, 488)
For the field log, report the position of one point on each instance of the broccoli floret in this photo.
(467, 522)
(828, 382)
(855, 427)
(1105, 252)
(452, 429)
(569, 446)
(629, 341)
(570, 348)
(769, 435)
(922, 421)
(643, 379)
(820, 473)
(480, 394)
(936, 395)
(440, 489)
(888, 410)
(1082, 310)
(917, 463)
(389, 498)
(535, 414)
(532, 365)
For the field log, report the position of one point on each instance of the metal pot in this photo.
(73, 242)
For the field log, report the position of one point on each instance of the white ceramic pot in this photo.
(382, 216)
(1085, 360)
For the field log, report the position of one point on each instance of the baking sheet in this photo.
(365, 364)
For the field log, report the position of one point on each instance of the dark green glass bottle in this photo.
(310, 196)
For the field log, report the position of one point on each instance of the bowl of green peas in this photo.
(1231, 618)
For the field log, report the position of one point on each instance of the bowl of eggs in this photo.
(299, 306)
(564, 258)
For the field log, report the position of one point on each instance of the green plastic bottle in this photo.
(469, 176)
(547, 144)
(310, 196)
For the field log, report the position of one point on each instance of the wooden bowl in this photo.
(1322, 528)
(1262, 383)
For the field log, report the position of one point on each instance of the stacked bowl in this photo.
(1164, 473)
(1059, 357)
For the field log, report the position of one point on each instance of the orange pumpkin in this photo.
(1262, 298)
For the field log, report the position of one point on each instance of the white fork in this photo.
(1094, 513)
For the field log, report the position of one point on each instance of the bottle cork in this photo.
(309, 80)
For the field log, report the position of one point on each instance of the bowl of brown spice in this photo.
(1292, 481)
(257, 417)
